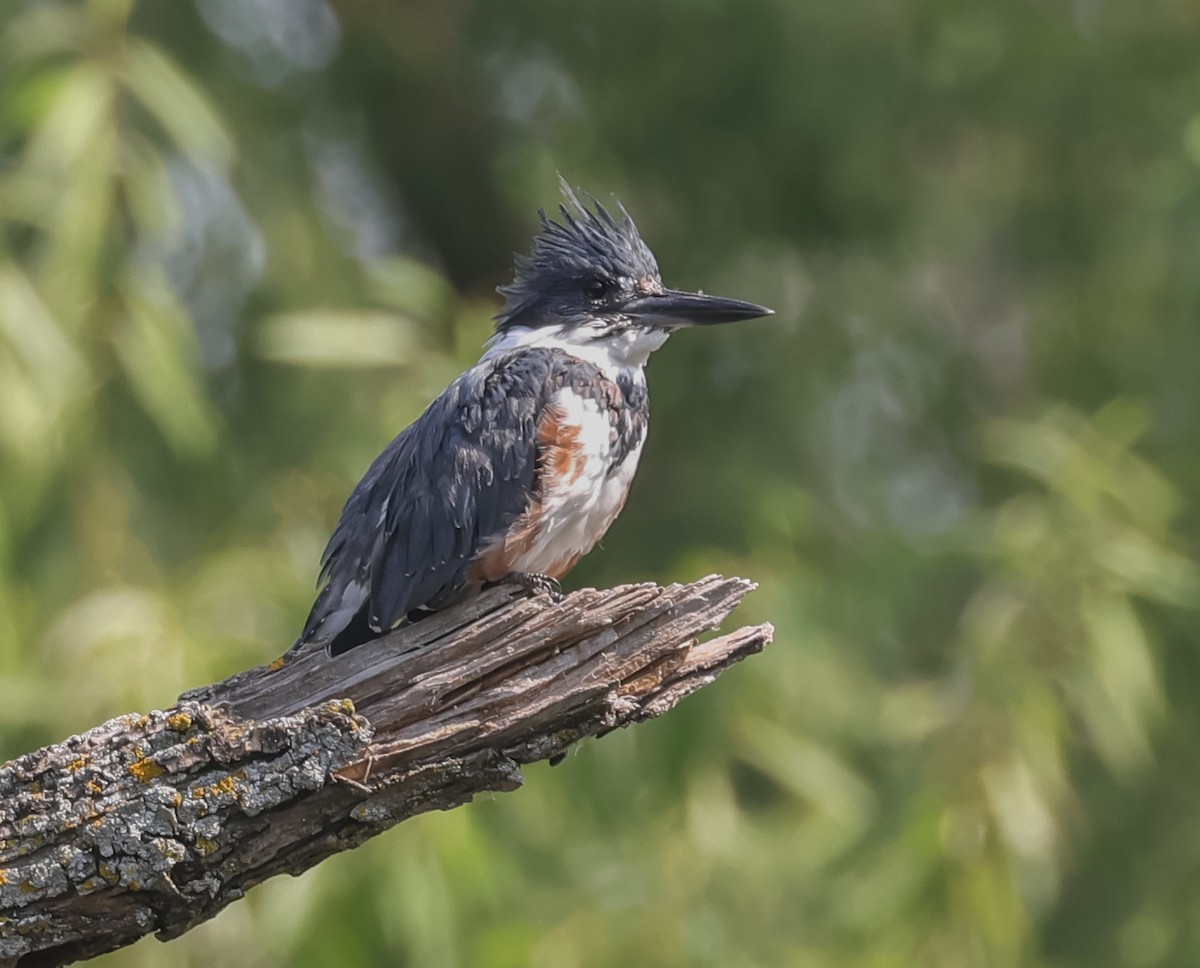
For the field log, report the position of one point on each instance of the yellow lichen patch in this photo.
(94, 788)
(343, 706)
(28, 887)
(180, 722)
(146, 769)
(277, 664)
(3, 876)
(204, 846)
(77, 764)
(227, 784)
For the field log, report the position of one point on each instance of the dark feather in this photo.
(588, 244)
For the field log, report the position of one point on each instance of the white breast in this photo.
(578, 507)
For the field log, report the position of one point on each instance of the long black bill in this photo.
(672, 308)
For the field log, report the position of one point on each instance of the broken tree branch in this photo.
(154, 823)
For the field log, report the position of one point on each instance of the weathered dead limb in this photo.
(154, 823)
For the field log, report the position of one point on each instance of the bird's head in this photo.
(591, 279)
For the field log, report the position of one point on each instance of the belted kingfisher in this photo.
(523, 462)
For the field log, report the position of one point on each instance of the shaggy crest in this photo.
(589, 245)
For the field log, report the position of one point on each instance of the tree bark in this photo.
(153, 823)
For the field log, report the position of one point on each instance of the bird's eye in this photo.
(596, 288)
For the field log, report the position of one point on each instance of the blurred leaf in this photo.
(342, 339)
(157, 350)
(812, 772)
(41, 374)
(1124, 697)
(40, 29)
(30, 98)
(178, 105)
(152, 200)
(75, 122)
(1025, 818)
(1080, 461)
(410, 286)
(1150, 570)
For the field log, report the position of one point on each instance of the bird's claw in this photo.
(537, 583)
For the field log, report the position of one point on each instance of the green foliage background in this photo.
(243, 242)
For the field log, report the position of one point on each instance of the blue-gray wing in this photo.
(427, 506)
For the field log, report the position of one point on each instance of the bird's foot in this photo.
(536, 583)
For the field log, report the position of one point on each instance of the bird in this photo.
(523, 462)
